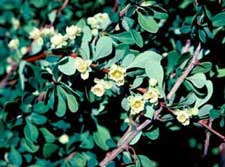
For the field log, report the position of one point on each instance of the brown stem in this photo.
(63, 6)
(124, 10)
(207, 140)
(115, 6)
(180, 80)
(212, 130)
(113, 154)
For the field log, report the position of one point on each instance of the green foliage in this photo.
(74, 76)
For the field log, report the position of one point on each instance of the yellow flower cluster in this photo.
(153, 93)
(15, 23)
(183, 116)
(99, 88)
(98, 21)
(136, 103)
(117, 74)
(72, 32)
(57, 39)
(83, 66)
(13, 44)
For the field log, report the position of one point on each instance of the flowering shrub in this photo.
(99, 83)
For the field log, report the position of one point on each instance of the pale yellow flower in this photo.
(48, 31)
(58, 41)
(183, 117)
(15, 23)
(13, 44)
(152, 95)
(153, 82)
(92, 22)
(99, 21)
(117, 74)
(106, 84)
(35, 34)
(194, 111)
(83, 66)
(98, 90)
(73, 31)
(94, 32)
(24, 50)
(136, 104)
(63, 139)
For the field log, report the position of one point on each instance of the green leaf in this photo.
(61, 107)
(36, 46)
(137, 82)
(78, 160)
(14, 157)
(48, 136)
(68, 68)
(29, 146)
(52, 16)
(198, 80)
(86, 141)
(125, 104)
(137, 37)
(219, 19)
(172, 59)
(144, 161)
(124, 37)
(205, 110)
(31, 132)
(149, 112)
(40, 108)
(202, 68)
(160, 15)
(128, 59)
(38, 3)
(202, 35)
(72, 103)
(148, 23)
(221, 72)
(141, 59)
(21, 75)
(153, 135)
(214, 114)
(101, 136)
(49, 149)
(38, 119)
(154, 68)
(103, 47)
(209, 87)
(136, 138)
(127, 23)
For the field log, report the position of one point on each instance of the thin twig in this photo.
(115, 6)
(207, 140)
(180, 80)
(113, 154)
(63, 6)
(124, 10)
(212, 130)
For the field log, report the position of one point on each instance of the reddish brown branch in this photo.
(212, 130)
(180, 80)
(113, 154)
(115, 6)
(37, 57)
(124, 10)
(63, 6)
(207, 140)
